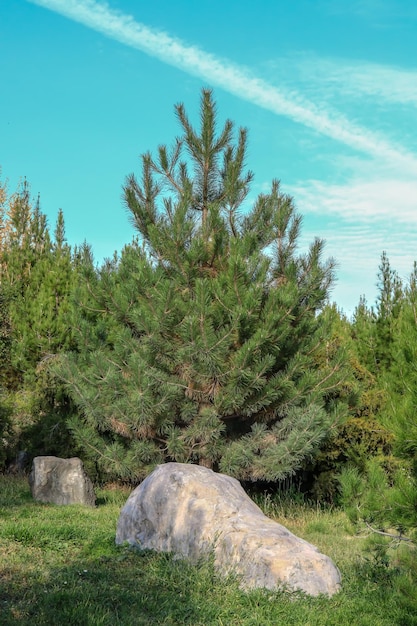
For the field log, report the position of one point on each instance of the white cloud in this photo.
(339, 77)
(359, 220)
(235, 79)
(363, 200)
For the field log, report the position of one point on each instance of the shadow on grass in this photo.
(126, 587)
(14, 490)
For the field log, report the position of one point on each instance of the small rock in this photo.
(61, 481)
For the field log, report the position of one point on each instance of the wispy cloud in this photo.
(369, 206)
(235, 79)
(362, 199)
(359, 219)
(355, 79)
(392, 84)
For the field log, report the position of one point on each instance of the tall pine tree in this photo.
(204, 342)
(383, 492)
(36, 280)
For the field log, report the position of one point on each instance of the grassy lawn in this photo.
(60, 566)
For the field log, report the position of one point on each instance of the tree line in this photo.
(208, 339)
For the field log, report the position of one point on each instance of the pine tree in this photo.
(401, 382)
(5, 372)
(389, 304)
(37, 273)
(36, 280)
(384, 492)
(203, 342)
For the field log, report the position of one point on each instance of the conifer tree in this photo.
(5, 370)
(383, 493)
(204, 342)
(36, 272)
(36, 279)
(389, 304)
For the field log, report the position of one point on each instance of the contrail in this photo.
(234, 79)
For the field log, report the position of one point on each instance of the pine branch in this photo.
(399, 537)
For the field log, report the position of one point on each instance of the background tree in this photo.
(203, 343)
(362, 435)
(383, 492)
(5, 348)
(374, 328)
(36, 279)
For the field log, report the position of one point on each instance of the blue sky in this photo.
(326, 88)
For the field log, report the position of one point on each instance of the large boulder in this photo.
(191, 511)
(61, 481)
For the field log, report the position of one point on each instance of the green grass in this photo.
(60, 566)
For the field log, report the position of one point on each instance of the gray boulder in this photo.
(191, 511)
(61, 481)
